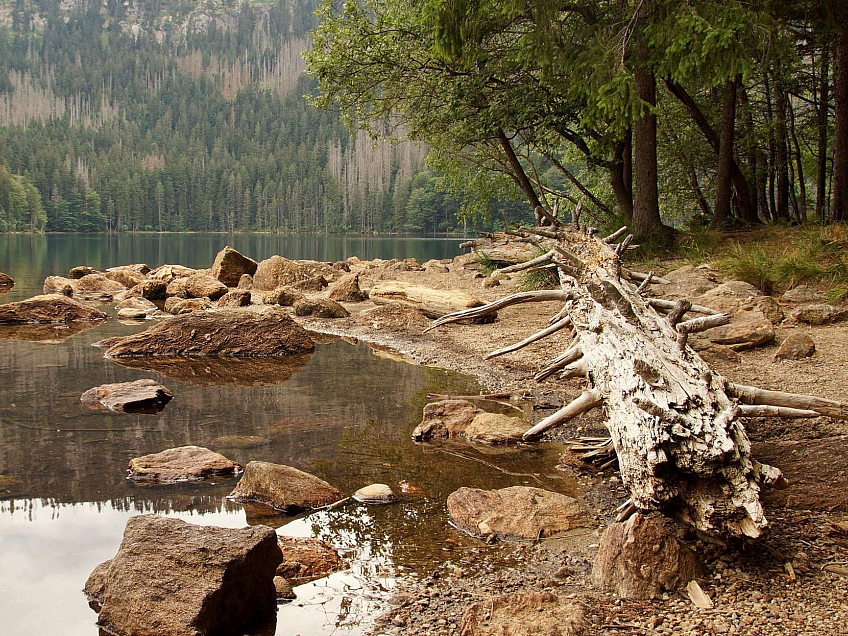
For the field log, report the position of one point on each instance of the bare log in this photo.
(640, 276)
(763, 397)
(645, 282)
(572, 354)
(586, 402)
(676, 314)
(612, 238)
(765, 410)
(540, 296)
(704, 323)
(668, 305)
(522, 266)
(544, 333)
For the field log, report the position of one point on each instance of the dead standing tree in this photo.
(674, 423)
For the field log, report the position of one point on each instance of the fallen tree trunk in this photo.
(674, 423)
(433, 303)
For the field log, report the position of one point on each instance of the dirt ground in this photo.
(794, 581)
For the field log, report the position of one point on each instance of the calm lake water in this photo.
(344, 413)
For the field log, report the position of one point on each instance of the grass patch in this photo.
(485, 265)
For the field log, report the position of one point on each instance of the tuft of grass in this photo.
(539, 279)
(752, 265)
(485, 265)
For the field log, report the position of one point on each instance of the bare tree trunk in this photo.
(839, 205)
(721, 211)
(520, 175)
(771, 151)
(799, 169)
(782, 158)
(821, 116)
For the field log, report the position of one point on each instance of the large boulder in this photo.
(276, 272)
(235, 298)
(641, 558)
(48, 308)
(320, 308)
(228, 332)
(128, 278)
(284, 488)
(433, 303)
(58, 285)
(311, 284)
(746, 330)
(6, 283)
(525, 614)
(820, 314)
(393, 317)
(306, 559)
(150, 289)
(446, 418)
(137, 303)
(688, 281)
(97, 286)
(230, 265)
(124, 397)
(204, 286)
(736, 295)
(346, 289)
(171, 578)
(168, 273)
(518, 512)
(495, 428)
(177, 288)
(185, 463)
(179, 306)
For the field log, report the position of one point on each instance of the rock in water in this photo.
(137, 303)
(306, 559)
(150, 289)
(640, 559)
(230, 265)
(276, 272)
(229, 332)
(79, 271)
(204, 286)
(375, 494)
(6, 283)
(48, 308)
(446, 418)
(171, 578)
(122, 397)
(285, 591)
(495, 428)
(283, 488)
(518, 512)
(185, 463)
(97, 286)
(525, 614)
(126, 277)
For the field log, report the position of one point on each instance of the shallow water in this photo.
(342, 413)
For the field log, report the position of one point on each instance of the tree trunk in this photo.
(782, 156)
(821, 116)
(839, 205)
(721, 212)
(618, 180)
(750, 213)
(772, 154)
(520, 175)
(799, 168)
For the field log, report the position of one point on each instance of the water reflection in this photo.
(44, 333)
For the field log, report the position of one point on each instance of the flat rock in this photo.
(446, 418)
(204, 286)
(320, 308)
(346, 289)
(138, 303)
(125, 277)
(393, 317)
(122, 397)
(171, 578)
(131, 313)
(495, 428)
(6, 283)
(95, 286)
(79, 271)
(48, 308)
(58, 285)
(526, 614)
(688, 281)
(801, 294)
(641, 558)
(518, 512)
(179, 306)
(311, 284)
(796, 346)
(746, 330)
(230, 265)
(285, 296)
(820, 314)
(141, 268)
(184, 463)
(283, 488)
(228, 332)
(306, 559)
(375, 494)
(736, 295)
(235, 298)
(276, 272)
(433, 303)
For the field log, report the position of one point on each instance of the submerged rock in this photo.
(230, 265)
(526, 614)
(640, 559)
(185, 463)
(320, 308)
(229, 332)
(123, 397)
(283, 488)
(276, 272)
(240, 441)
(375, 494)
(518, 512)
(48, 308)
(446, 418)
(6, 283)
(306, 559)
(171, 578)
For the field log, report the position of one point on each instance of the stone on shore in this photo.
(230, 265)
(245, 282)
(204, 286)
(6, 283)
(75, 273)
(126, 277)
(168, 273)
(311, 284)
(177, 288)
(394, 317)
(228, 332)
(184, 463)
(171, 578)
(820, 314)
(375, 494)
(150, 289)
(276, 272)
(94, 286)
(235, 298)
(346, 289)
(640, 559)
(122, 397)
(137, 303)
(525, 614)
(796, 346)
(495, 428)
(736, 296)
(140, 268)
(285, 296)
(518, 512)
(320, 308)
(48, 308)
(285, 591)
(747, 329)
(446, 418)
(179, 306)
(306, 559)
(283, 488)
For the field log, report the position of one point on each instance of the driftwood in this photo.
(433, 303)
(674, 423)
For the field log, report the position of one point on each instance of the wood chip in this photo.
(789, 570)
(698, 596)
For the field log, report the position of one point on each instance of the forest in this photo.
(189, 116)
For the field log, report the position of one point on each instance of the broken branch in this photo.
(586, 402)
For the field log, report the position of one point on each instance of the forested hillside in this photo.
(182, 115)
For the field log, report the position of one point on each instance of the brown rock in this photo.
(171, 578)
(97, 286)
(141, 395)
(320, 308)
(276, 272)
(820, 314)
(150, 289)
(796, 346)
(204, 286)
(185, 463)
(138, 303)
(139, 268)
(312, 284)
(179, 306)
(494, 428)
(408, 265)
(525, 614)
(58, 285)
(736, 295)
(6, 283)
(393, 316)
(447, 418)
(715, 352)
(801, 294)
(346, 289)
(48, 308)
(285, 591)
(748, 329)
(230, 265)
(285, 296)
(640, 559)
(688, 281)
(126, 277)
(177, 288)
(284, 488)
(235, 298)
(518, 512)
(375, 494)
(95, 586)
(228, 332)
(131, 313)
(306, 559)
(79, 271)
(11, 487)
(433, 303)
(168, 273)
(245, 282)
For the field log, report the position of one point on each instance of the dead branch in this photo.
(586, 402)
(540, 296)
(763, 397)
(562, 324)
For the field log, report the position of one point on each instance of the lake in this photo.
(344, 413)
